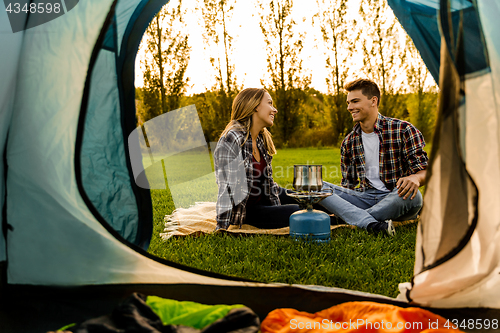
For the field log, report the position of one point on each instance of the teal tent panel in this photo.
(115, 194)
(475, 58)
(110, 40)
(105, 175)
(454, 4)
(420, 20)
(126, 14)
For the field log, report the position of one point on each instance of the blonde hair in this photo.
(244, 106)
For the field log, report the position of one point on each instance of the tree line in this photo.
(307, 117)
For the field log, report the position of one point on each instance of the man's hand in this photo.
(409, 185)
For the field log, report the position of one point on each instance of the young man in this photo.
(382, 162)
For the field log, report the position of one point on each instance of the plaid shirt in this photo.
(400, 153)
(234, 175)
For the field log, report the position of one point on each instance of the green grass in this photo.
(353, 259)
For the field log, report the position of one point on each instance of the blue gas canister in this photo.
(310, 224)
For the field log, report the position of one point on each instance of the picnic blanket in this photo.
(200, 219)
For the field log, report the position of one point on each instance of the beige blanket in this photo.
(200, 219)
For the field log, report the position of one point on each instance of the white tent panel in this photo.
(482, 145)
(41, 178)
(489, 12)
(451, 283)
(43, 130)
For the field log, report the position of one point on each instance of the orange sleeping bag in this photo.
(356, 317)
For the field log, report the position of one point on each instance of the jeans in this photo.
(362, 208)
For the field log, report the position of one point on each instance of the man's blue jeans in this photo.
(362, 208)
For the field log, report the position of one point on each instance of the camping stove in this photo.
(308, 223)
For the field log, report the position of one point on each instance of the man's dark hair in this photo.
(367, 87)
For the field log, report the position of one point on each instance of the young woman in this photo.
(247, 192)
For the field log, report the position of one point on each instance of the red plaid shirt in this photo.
(400, 153)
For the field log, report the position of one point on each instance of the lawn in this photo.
(353, 259)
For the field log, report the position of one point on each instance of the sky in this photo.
(249, 48)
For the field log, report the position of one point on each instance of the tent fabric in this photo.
(420, 20)
(139, 20)
(41, 146)
(357, 317)
(58, 76)
(10, 58)
(457, 262)
(105, 175)
(47, 189)
(105, 171)
(454, 4)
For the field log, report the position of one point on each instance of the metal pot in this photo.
(307, 177)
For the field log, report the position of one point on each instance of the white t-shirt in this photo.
(371, 148)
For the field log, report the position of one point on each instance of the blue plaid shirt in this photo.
(234, 175)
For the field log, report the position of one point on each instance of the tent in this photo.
(76, 225)
(457, 241)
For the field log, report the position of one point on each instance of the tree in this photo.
(216, 16)
(210, 119)
(383, 54)
(165, 62)
(424, 102)
(287, 82)
(338, 41)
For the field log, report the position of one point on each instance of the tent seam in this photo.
(142, 197)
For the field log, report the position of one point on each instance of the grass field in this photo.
(353, 259)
